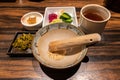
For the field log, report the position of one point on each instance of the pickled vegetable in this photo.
(31, 20)
(23, 42)
(66, 18)
(61, 17)
(52, 16)
(56, 21)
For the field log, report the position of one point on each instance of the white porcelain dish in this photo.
(70, 10)
(35, 26)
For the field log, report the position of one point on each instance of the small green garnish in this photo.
(66, 17)
(68, 20)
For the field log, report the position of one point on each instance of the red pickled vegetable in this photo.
(52, 16)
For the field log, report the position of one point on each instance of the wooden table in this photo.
(102, 61)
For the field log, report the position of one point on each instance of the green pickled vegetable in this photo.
(23, 42)
(66, 18)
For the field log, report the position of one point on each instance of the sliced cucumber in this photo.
(68, 20)
(65, 16)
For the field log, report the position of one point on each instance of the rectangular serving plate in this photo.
(17, 53)
(69, 10)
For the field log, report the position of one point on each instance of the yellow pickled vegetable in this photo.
(56, 21)
(23, 42)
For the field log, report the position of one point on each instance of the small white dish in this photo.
(69, 10)
(38, 17)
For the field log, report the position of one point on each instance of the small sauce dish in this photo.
(32, 20)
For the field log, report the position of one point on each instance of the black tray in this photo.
(17, 53)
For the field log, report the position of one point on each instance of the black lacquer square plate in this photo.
(13, 52)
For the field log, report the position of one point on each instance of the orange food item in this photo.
(31, 20)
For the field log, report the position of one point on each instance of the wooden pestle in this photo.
(72, 42)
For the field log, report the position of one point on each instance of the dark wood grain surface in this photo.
(102, 61)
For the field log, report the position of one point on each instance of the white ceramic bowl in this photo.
(34, 26)
(41, 52)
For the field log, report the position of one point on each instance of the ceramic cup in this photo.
(93, 18)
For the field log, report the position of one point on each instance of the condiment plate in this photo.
(57, 10)
(17, 53)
